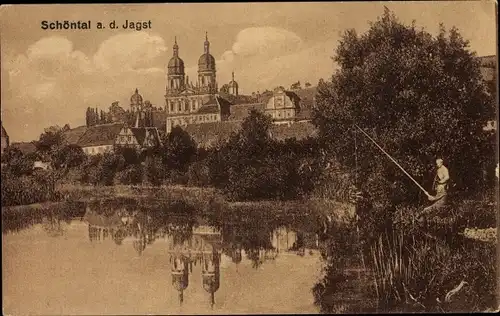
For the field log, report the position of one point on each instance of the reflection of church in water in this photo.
(191, 248)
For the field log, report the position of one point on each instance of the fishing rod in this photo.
(393, 160)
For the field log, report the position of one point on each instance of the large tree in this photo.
(419, 96)
(179, 149)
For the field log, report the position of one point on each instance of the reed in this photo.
(404, 268)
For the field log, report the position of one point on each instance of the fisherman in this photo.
(440, 185)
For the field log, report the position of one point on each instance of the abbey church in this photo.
(188, 103)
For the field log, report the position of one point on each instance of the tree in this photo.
(225, 88)
(153, 170)
(50, 140)
(68, 156)
(130, 155)
(102, 119)
(17, 163)
(108, 166)
(419, 96)
(244, 160)
(178, 149)
(307, 84)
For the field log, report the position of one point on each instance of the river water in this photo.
(138, 261)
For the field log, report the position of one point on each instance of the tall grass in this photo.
(416, 272)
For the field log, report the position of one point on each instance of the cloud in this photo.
(265, 42)
(128, 51)
(265, 57)
(52, 83)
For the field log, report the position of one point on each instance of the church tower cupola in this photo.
(175, 72)
(233, 86)
(136, 101)
(206, 70)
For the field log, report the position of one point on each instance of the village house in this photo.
(106, 138)
(283, 106)
(100, 139)
(138, 138)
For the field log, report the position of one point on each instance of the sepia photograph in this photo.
(249, 158)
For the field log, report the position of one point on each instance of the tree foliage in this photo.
(178, 149)
(51, 139)
(154, 170)
(68, 156)
(420, 97)
(253, 166)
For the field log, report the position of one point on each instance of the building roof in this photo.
(208, 108)
(99, 135)
(24, 147)
(4, 132)
(159, 119)
(307, 97)
(208, 134)
(240, 111)
(488, 73)
(72, 136)
(488, 61)
(140, 133)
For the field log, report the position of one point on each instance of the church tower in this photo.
(175, 72)
(206, 70)
(136, 102)
(233, 86)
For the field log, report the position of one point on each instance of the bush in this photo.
(199, 174)
(26, 189)
(108, 166)
(176, 177)
(131, 175)
(154, 171)
(416, 272)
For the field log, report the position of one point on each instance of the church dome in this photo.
(206, 62)
(136, 98)
(176, 66)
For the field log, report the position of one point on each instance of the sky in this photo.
(50, 77)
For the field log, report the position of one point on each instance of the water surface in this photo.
(133, 260)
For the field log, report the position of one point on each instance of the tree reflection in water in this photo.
(195, 241)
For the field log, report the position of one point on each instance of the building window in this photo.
(192, 105)
(186, 105)
(171, 106)
(129, 138)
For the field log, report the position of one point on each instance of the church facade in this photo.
(193, 103)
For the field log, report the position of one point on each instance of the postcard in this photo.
(248, 158)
